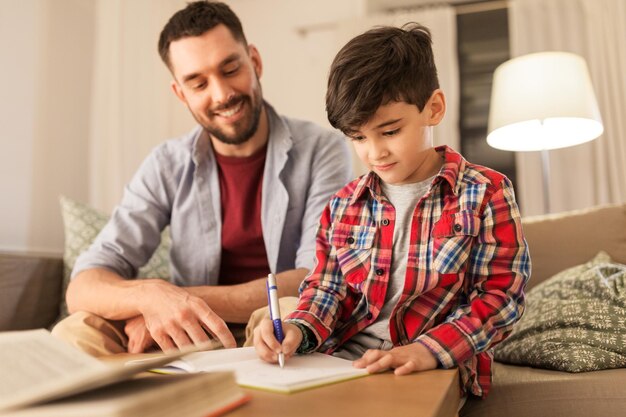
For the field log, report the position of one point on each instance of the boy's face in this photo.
(396, 143)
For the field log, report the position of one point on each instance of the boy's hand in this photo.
(266, 345)
(404, 359)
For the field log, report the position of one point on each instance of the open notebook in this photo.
(300, 372)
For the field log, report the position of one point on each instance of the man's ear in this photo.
(257, 63)
(437, 107)
(178, 91)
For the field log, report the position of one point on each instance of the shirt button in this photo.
(380, 271)
(458, 227)
(385, 222)
(350, 240)
(369, 315)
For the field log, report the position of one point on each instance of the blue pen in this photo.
(272, 298)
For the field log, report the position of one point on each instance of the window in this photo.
(483, 44)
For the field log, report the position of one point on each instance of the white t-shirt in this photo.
(404, 199)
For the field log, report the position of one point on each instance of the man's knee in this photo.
(66, 328)
(92, 334)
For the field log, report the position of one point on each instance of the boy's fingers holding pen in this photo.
(266, 345)
(266, 329)
(293, 338)
(264, 351)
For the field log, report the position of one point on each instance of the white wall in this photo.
(45, 68)
(17, 98)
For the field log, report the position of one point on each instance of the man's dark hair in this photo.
(382, 65)
(194, 20)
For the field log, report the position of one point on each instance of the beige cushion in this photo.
(560, 241)
(574, 321)
(527, 392)
(82, 224)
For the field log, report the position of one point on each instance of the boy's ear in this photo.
(436, 106)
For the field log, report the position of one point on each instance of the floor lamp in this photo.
(543, 101)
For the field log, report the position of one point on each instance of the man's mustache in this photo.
(233, 101)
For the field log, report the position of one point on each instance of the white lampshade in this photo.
(542, 101)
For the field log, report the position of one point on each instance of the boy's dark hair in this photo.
(381, 65)
(194, 20)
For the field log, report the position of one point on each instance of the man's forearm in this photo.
(174, 317)
(104, 293)
(235, 303)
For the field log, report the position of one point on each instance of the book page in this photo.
(300, 372)
(32, 359)
(38, 367)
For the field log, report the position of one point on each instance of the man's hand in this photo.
(175, 318)
(404, 359)
(268, 348)
(139, 339)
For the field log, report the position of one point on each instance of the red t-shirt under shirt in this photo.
(243, 251)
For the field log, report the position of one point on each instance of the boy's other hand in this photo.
(266, 345)
(404, 359)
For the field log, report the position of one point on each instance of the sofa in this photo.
(31, 291)
(557, 242)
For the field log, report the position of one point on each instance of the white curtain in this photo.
(593, 173)
(132, 107)
(441, 20)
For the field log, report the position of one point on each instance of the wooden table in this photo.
(426, 394)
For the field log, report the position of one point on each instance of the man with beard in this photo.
(242, 194)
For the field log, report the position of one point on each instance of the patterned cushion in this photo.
(81, 226)
(574, 321)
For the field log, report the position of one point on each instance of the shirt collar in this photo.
(370, 182)
(453, 167)
(202, 149)
(451, 171)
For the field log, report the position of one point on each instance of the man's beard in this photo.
(245, 128)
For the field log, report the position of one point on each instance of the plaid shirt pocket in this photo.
(353, 248)
(453, 235)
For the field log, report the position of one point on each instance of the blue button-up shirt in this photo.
(178, 185)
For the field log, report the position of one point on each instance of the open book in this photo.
(37, 368)
(300, 372)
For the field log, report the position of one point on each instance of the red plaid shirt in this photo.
(467, 267)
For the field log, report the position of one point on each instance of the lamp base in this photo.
(545, 171)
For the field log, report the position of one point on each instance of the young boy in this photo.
(421, 263)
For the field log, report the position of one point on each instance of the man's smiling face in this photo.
(217, 77)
